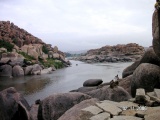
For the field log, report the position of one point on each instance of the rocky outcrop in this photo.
(54, 106)
(13, 106)
(24, 50)
(13, 34)
(118, 53)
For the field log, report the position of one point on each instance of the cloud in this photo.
(82, 23)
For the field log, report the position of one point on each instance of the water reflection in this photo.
(62, 80)
(26, 84)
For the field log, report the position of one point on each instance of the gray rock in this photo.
(106, 93)
(5, 70)
(145, 76)
(13, 106)
(130, 69)
(34, 112)
(17, 71)
(92, 82)
(84, 89)
(27, 70)
(36, 68)
(56, 105)
(153, 116)
(126, 83)
(75, 113)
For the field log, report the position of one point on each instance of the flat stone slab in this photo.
(153, 116)
(140, 92)
(102, 116)
(110, 108)
(151, 94)
(93, 109)
(157, 92)
(125, 118)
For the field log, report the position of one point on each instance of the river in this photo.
(62, 80)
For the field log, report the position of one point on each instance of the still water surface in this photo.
(62, 80)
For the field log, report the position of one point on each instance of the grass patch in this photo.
(6, 45)
(26, 56)
(52, 62)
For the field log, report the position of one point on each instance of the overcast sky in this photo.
(83, 24)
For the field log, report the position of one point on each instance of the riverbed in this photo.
(62, 80)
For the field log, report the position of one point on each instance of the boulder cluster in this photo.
(118, 53)
(21, 53)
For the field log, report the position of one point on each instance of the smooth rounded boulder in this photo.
(146, 76)
(52, 107)
(5, 70)
(17, 71)
(13, 106)
(92, 82)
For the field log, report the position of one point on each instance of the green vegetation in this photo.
(51, 62)
(45, 50)
(6, 45)
(27, 57)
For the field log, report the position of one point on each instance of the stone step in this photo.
(93, 109)
(110, 108)
(101, 116)
(157, 92)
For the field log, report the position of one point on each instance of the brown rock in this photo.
(5, 70)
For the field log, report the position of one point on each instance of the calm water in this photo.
(62, 80)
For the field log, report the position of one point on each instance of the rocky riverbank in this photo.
(136, 96)
(21, 53)
(118, 53)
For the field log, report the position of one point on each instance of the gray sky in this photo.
(83, 24)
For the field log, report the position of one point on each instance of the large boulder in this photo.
(52, 107)
(155, 33)
(107, 93)
(75, 113)
(92, 82)
(146, 76)
(84, 89)
(27, 70)
(126, 83)
(5, 70)
(13, 106)
(130, 69)
(36, 68)
(17, 71)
